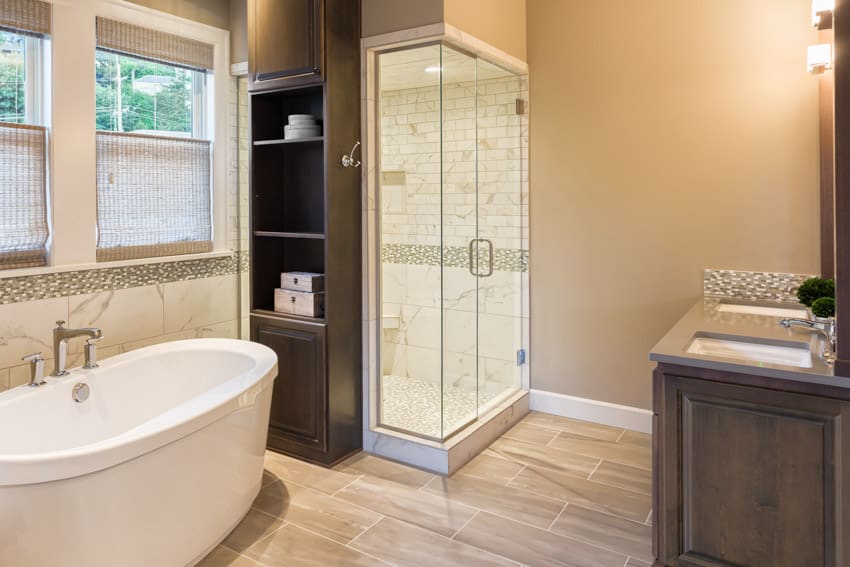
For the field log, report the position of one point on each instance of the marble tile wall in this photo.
(439, 321)
(141, 305)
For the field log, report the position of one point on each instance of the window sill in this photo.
(6, 274)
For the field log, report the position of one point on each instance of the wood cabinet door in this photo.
(298, 414)
(286, 40)
(750, 476)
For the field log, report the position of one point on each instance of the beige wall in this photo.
(238, 31)
(666, 137)
(501, 23)
(384, 16)
(210, 12)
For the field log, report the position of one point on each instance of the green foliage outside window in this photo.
(12, 78)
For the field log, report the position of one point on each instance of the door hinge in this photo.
(520, 357)
(520, 106)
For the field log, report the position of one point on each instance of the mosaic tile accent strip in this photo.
(773, 286)
(63, 284)
(504, 259)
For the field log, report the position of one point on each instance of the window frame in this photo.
(70, 54)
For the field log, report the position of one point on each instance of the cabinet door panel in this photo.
(298, 402)
(750, 477)
(285, 42)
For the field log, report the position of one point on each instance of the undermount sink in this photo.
(751, 350)
(765, 310)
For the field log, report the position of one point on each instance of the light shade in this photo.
(819, 58)
(819, 7)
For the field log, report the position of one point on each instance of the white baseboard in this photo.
(615, 415)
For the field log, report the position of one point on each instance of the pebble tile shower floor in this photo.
(551, 491)
(415, 405)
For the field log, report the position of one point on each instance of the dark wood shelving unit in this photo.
(306, 217)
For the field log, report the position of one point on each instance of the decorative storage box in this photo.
(302, 281)
(299, 303)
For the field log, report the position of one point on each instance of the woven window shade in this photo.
(153, 196)
(23, 199)
(27, 16)
(156, 45)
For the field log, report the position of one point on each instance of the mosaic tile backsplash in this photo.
(504, 260)
(64, 284)
(773, 286)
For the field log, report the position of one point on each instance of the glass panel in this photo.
(460, 246)
(12, 77)
(409, 236)
(502, 228)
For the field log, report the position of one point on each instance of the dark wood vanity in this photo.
(749, 470)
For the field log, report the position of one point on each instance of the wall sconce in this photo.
(819, 58)
(822, 14)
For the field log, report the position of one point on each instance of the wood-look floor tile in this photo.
(611, 532)
(429, 510)
(254, 527)
(631, 478)
(575, 426)
(623, 453)
(632, 505)
(513, 503)
(636, 438)
(363, 463)
(292, 546)
(400, 543)
(530, 433)
(533, 546)
(637, 563)
(223, 557)
(328, 516)
(547, 457)
(305, 474)
(491, 467)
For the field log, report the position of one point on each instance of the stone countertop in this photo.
(705, 318)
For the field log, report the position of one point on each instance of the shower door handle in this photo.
(490, 255)
(472, 255)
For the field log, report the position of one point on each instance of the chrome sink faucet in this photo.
(824, 327)
(61, 336)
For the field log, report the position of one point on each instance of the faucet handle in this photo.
(36, 361)
(94, 340)
(35, 357)
(59, 324)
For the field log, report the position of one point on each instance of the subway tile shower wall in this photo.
(773, 286)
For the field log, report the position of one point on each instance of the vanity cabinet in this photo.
(285, 43)
(749, 470)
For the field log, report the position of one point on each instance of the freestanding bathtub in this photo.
(153, 470)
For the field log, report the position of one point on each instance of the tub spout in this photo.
(61, 336)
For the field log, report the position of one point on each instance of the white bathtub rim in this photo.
(197, 413)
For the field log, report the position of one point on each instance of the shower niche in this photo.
(451, 239)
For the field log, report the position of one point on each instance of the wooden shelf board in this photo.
(270, 313)
(275, 234)
(282, 141)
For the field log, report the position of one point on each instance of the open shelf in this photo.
(292, 141)
(270, 313)
(275, 234)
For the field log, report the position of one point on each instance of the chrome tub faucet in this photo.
(61, 336)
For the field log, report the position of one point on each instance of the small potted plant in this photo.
(818, 294)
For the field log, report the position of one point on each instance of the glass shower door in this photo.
(460, 246)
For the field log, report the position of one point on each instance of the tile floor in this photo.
(551, 491)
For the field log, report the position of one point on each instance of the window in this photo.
(24, 229)
(153, 152)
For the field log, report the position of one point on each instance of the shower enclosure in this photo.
(452, 230)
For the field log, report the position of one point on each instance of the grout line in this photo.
(372, 525)
(466, 523)
(626, 564)
(315, 533)
(648, 516)
(337, 491)
(549, 529)
(510, 480)
(596, 468)
(620, 437)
